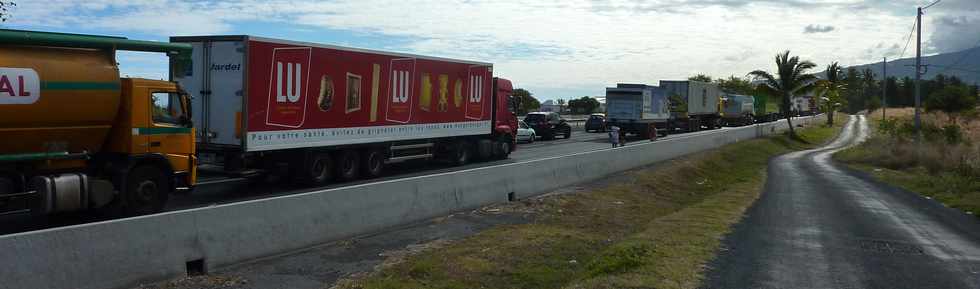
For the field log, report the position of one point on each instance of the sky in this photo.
(555, 49)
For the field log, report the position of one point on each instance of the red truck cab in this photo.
(505, 112)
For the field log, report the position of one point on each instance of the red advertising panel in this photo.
(288, 86)
(400, 90)
(303, 95)
(479, 88)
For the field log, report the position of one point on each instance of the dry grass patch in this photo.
(652, 228)
(947, 172)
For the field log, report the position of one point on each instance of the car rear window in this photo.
(534, 118)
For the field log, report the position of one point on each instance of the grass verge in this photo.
(650, 228)
(949, 173)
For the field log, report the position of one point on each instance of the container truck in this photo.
(77, 136)
(762, 113)
(693, 104)
(316, 112)
(737, 110)
(637, 109)
(803, 105)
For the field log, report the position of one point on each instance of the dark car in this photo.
(596, 122)
(548, 124)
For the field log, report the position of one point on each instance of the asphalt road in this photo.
(821, 225)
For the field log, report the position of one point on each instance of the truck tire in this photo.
(348, 165)
(318, 170)
(501, 149)
(373, 163)
(461, 154)
(146, 190)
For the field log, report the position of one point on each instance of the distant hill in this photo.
(968, 68)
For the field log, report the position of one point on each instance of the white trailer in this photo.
(637, 109)
(693, 104)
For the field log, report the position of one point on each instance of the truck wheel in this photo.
(318, 171)
(348, 164)
(461, 154)
(373, 163)
(501, 149)
(147, 190)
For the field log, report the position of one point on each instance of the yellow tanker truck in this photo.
(74, 135)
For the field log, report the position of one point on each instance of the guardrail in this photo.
(130, 251)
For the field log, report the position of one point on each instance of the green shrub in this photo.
(952, 134)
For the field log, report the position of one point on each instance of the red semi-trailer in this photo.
(321, 111)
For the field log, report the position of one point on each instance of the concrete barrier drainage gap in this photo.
(126, 252)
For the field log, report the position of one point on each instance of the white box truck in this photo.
(637, 109)
(693, 104)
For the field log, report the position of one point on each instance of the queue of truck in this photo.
(649, 111)
(78, 136)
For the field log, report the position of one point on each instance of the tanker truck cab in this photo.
(89, 139)
(161, 133)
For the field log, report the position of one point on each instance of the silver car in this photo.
(525, 133)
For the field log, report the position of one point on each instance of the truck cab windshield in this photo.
(167, 108)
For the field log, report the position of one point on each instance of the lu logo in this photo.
(293, 87)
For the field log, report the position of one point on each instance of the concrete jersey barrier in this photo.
(126, 252)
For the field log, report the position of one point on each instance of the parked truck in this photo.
(317, 112)
(762, 112)
(737, 110)
(74, 135)
(803, 105)
(637, 109)
(693, 104)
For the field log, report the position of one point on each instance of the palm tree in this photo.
(791, 78)
(831, 89)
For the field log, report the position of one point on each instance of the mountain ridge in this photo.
(967, 69)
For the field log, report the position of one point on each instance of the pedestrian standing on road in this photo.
(614, 136)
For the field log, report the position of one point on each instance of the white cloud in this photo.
(551, 46)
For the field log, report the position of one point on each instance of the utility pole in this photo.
(918, 67)
(884, 86)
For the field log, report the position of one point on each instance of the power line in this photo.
(909, 39)
(930, 5)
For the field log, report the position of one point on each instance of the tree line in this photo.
(864, 90)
